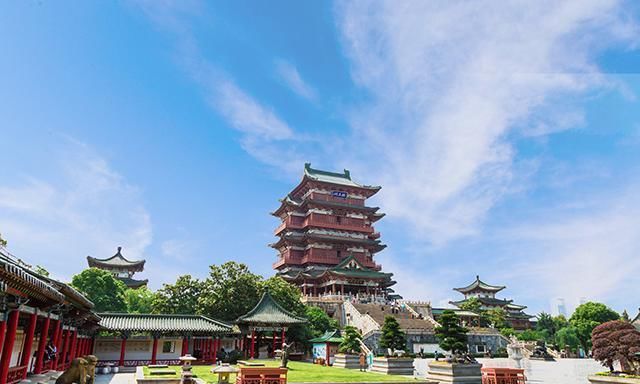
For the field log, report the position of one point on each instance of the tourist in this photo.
(436, 355)
(363, 361)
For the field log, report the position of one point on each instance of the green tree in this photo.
(351, 339)
(178, 298)
(139, 300)
(3, 242)
(41, 271)
(319, 321)
(588, 316)
(508, 332)
(567, 337)
(472, 304)
(530, 335)
(104, 290)
(496, 318)
(231, 290)
(560, 322)
(392, 336)
(451, 335)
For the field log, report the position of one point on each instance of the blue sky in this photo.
(506, 136)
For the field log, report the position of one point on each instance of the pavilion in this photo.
(266, 316)
(36, 310)
(142, 339)
(121, 268)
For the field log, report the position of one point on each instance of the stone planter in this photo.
(597, 379)
(443, 372)
(347, 361)
(393, 365)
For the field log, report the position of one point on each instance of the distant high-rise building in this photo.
(559, 307)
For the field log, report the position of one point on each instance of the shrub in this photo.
(392, 336)
(351, 339)
(616, 341)
(451, 336)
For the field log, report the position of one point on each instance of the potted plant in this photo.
(395, 342)
(349, 349)
(616, 341)
(459, 366)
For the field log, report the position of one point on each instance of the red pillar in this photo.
(154, 350)
(42, 344)
(185, 346)
(123, 347)
(326, 362)
(28, 342)
(3, 330)
(57, 324)
(65, 348)
(273, 344)
(7, 348)
(282, 341)
(74, 345)
(215, 349)
(253, 345)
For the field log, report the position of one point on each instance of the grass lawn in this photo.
(300, 372)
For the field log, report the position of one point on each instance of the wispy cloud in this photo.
(291, 77)
(452, 82)
(84, 208)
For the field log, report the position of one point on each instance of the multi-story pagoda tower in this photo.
(121, 268)
(326, 241)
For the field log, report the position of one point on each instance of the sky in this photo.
(505, 136)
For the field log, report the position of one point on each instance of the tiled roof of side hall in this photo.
(133, 283)
(162, 323)
(343, 178)
(18, 276)
(485, 301)
(328, 337)
(116, 260)
(269, 312)
(480, 285)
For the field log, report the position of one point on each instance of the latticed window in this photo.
(168, 347)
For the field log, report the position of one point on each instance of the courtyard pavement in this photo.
(117, 378)
(562, 371)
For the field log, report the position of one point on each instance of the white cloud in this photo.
(451, 81)
(290, 75)
(84, 208)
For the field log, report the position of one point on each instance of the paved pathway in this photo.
(117, 378)
(562, 371)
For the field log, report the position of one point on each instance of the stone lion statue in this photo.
(76, 373)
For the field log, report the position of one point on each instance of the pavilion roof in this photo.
(459, 312)
(488, 301)
(343, 178)
(116, 261)
(480, 286)
(269, 312)
(17, 275)
(132, 322)
(349, 267)
(133, 283)
(328, 337)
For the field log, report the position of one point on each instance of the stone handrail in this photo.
(364, 322)
(430, 319)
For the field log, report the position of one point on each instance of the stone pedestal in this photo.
(443, 372)
(597, 379)
(347, 361)
(393, 365)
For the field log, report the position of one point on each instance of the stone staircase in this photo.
(407, 318)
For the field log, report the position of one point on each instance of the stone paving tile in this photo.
(117, 378)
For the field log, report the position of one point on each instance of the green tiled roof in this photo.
(17, 275)
(480, 285)
(343, 178)
(328, 337)
(133, 283)
(162, 323)
(485, 301)
(268, 312)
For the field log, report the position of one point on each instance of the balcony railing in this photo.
(325, 221)
(333, 199)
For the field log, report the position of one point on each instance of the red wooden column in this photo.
(283, 339)
(7, 347)
(154, 349)
(57, 331)
(64, 339)
(42, 344)
(74, 345)
(215, 350)
(327, 355)
(28, 342)
(253, 344)
(273, 344)
(185, 345)
(123, 347)
(3, 330)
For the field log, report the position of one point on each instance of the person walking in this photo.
(363, 361)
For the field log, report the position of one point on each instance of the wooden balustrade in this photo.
(16, 374)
